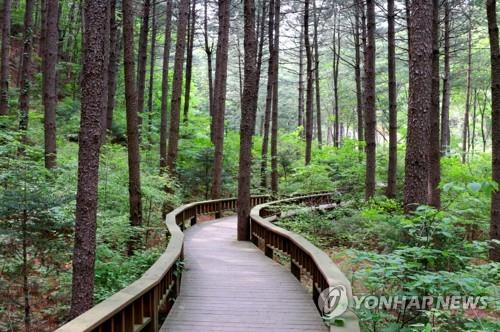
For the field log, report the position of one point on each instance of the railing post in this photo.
(218, 213)
(315, 293)
(193, 220)
(156, 316)
(268, 251)
(295, 269)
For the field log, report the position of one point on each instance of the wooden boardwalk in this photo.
(231, 286)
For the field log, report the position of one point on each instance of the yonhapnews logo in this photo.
(333, 302)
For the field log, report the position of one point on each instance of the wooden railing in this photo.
(139, 306)
(304, 256)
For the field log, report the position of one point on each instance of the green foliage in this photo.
(309, 178)
(114, 271)
(426, 253)
(46, 201)
(331, 168)
(36, 218)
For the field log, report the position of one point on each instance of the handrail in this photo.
(138, 307)
(304, 256)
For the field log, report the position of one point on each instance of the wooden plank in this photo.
(231, 286)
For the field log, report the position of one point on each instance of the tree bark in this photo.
(335, 68)
(220, 94)
(269, 96)
(309, 86)
(165, 87)
(393, 107)
(134, 183)
(93, 97)
(483, 110)
(260, 36)
(419, 104)
(300, 118)
(142, 58)
(472, 143)
(49, 82)
(465, 129)
(247, 124)
(152, 61)
(434, 194)
(408, 22)
(43, 27)
(240, 70)
(445, 112)
(274, 114)
(5, 58)
(114, 55)
(369, 94)
(357, 71)
(209, 51)
(495, 118)
(316, 76)
(175, 104)
(25, 83)
(189, 61)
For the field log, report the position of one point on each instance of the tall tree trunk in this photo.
(220, 94)
(483, 110)
(434, 195)
(165, 87)
(43, 27)
(408, 23)
(152, 61)
(465, 130)
(357, 71)
(393, 107)
(260, 33)
(472, 143)
(369, 94)
(189, 61)
(269, 96)
(49, 83)
(74, 73)
(5, 58)
(247, 123)
(316, 76)
(134, 178)
(274, 115)
(142, 58)
(445, 111)
(495, 118)
(300, 118)
(114, 55)
(93, 101)
(240, 70)
(175, 103)
(309, 87)
(209, 51)
(335, 68)
(419, 104)
(25, 83)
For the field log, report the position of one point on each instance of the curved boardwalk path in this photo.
(229, 285)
